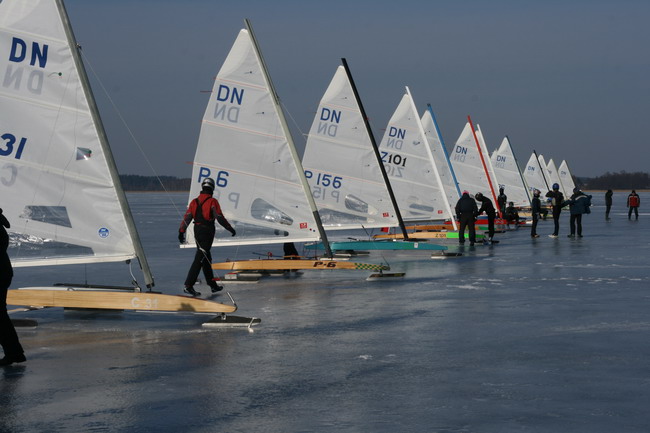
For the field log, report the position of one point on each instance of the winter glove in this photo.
(181, 237)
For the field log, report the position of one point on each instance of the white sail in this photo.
(58, 182)
(554, 177)
(566, 177)
(341, 165)
(534, 175)
(467, 164)
(409, 163)
(545, 170)
(507, 170)
(440, 158)
(244, 147)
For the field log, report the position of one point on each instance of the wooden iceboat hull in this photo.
(301, 264)
(113, 300)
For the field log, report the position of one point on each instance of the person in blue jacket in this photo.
(579, 204)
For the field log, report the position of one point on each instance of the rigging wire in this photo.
(130, 132)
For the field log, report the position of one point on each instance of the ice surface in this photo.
(539, 335)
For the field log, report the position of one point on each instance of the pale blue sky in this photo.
(570, 79)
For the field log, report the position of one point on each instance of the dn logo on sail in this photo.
(232, 98)
(22, 52)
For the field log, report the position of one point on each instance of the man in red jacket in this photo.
(204, 210)
(633, 202)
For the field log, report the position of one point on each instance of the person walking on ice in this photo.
(204, 210)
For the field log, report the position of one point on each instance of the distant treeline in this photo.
(622, 180)
(134, 182)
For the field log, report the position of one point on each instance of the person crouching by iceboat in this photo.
(204, 210)
(488, 208)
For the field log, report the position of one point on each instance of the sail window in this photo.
(57, 215)
(263, 210)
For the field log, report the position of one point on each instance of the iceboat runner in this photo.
(246, 146)
(66, 205)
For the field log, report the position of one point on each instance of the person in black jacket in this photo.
(608, 203)
(557, 199)
(8, 337)
(488, 208)
(466, 212)
(535, 210)
(502, 200)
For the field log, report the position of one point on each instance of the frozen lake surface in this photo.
(543, 335)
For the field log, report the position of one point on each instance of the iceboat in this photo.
(245, 145)
(351, 177)
(60, 187)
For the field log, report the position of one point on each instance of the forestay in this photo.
(507, 170)
(409, 163)
(341, 165)
(58, 182)
(245, 148)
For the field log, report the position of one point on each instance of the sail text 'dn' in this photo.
(20, 76)
(19, 53)
(459, 154)
(500, 162)
(396, 137)
(329, 122)
(232, 98)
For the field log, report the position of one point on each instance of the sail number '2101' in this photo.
(8, 145)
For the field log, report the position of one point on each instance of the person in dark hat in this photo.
(466, 212)
(557, 199)
(204, 210)
(579, 204)
(13, 351)
(535, 210)
(608, 203)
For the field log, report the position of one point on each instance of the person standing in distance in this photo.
(204, 210)
(633, 202)
(557, 200)
(536, 210)
(8, 337)
(502, 200)
(466, 212)
(608, 203)
(579, 204)
(488, 208)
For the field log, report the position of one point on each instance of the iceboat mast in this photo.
(292, 147)
(375, 149)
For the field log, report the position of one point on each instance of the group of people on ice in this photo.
(579, 204)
